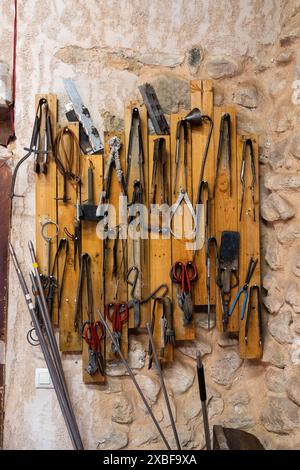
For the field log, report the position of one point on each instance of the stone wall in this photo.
(251, 49)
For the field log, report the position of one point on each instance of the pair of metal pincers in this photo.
(244, 289)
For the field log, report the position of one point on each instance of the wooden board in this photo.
(69, 340)
(92, 245)
(141, 249)
(226, 207)
(179, 251)
(160, 252)
(45, 202)
(115, 293)
(250, 246)
(202, 98)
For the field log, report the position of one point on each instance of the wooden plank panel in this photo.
(202, 98)
(45, 202)
(69, 340)
(141, 258)
(115, 293)
(160, 251)
(94, 247)
(226, 207)
(179, 251)
(250, 246)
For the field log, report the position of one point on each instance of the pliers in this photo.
(244, 289)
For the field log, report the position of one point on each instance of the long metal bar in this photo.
(50, 331)
(163, 386)
(46, 316)
(61, 377)
(67, 412)
(48, 359)
(115, 343)
(202, 391)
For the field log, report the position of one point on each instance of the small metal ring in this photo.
(46, 224)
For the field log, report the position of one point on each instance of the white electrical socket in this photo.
(42, 378)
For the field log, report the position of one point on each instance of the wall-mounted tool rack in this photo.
(157, 253)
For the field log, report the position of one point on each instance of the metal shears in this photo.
(117, 313)
(93, 333)
(244, 289)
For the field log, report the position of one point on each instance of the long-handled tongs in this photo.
(247, 143)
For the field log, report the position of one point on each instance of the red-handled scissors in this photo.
(184, 274)
(117, 313)
(92, 334)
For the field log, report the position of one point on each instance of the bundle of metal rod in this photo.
(117, 348)
(202, 391)
(47, 341)
(163, 386)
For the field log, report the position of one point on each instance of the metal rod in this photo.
(202, 391)
(134, 381)
(163, 386)
(56, 382)
(49, 329)
(60, 376)
(48, 359)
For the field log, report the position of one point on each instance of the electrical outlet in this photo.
(42, 379)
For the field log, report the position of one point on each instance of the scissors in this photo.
(117, 313)
(93, 333)
(184, 274)
(244, 289)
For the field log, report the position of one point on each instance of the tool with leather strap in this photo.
(84, 117)
(244, 290)
(154, 109)
(117, 313)
(40, 145)
(254, 290)
(166, 326)
(184, 274)
(225, 121)
(135, 302)
(67, 159)
(247, 143)
(229, 268)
